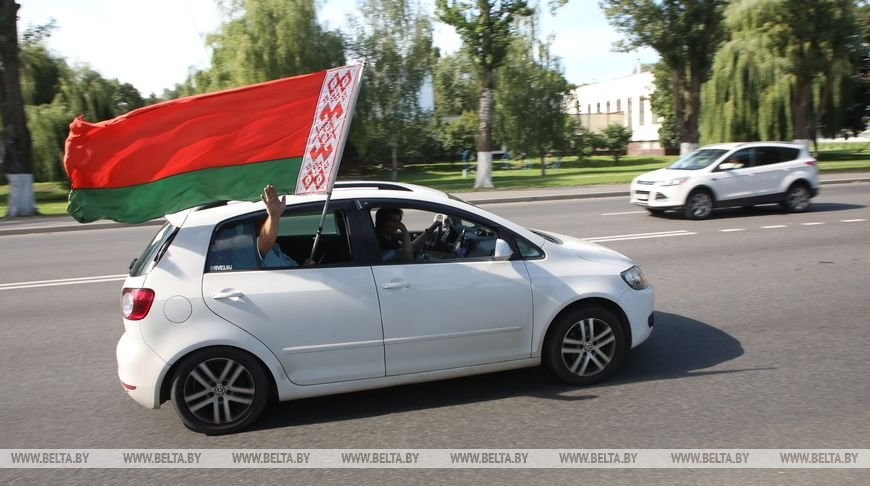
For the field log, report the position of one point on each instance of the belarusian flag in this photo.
(217, 146)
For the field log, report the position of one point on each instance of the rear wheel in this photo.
(797, 198)
(585, 346)
(219, 390)
(699, 204)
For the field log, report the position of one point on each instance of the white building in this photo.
(625, 101)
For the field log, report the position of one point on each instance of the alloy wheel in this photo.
(588, 347)
(219, 391)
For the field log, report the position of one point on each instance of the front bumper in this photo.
(140, 369)
(639, 306)
(657, 197)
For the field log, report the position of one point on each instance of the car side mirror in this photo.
(730, 166)
(502, 250)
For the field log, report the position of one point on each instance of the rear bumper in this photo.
(140, 370)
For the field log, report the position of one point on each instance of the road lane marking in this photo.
(774, 226)
(639, 236)
(729, 230)
(852, 220)
(62, 281)
(811, 224)
(624, 212)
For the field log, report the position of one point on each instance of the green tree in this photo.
(781, 70)
(661, 102)
(686, 34)
(616, 138)
(485, 27)
(455, 85)
(395, 39)
(530, 100)
(458, 133)
(267, 39)
(17, 147)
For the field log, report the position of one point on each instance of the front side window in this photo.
(234, 246)
(406, 235)
(698, 159)
(742, 157)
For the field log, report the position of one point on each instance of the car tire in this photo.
(797, 198)
(699, 204)
(585, 346)
(219, 390)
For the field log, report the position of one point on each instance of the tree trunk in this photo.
(394, 173)
(678, 76)
(17, 155)
(484, 142)
(802, 99)
(543, 163)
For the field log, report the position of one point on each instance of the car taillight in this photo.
(811, 162)
(135, 303)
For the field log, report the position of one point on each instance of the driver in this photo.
(393, 237)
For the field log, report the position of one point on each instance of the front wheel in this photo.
(699, 204)
(219, 390)
(585, 346)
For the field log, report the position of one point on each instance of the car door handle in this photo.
(231, 294)
(396, 284)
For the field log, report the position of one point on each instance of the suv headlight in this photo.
(673, 182)
(635, 278)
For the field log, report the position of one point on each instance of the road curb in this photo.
(481, 199)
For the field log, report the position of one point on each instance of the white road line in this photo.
(729, 230)
(774, 226)
(637, 234)
(852, 220)
(624, 212)
(602, 240)
(811, 224)
(63, 281)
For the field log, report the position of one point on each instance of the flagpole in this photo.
(338, 154)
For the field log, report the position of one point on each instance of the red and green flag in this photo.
(218, 146)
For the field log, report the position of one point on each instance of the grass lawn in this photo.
(51, 197)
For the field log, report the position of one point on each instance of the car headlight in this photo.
(673, 182)
(635, 278)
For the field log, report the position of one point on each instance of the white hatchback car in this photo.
(731, 174)
(213, 329)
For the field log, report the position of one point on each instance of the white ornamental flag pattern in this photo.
(329, 130)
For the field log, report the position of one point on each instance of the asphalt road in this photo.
(761, 342)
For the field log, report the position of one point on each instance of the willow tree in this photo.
(486, 28)
(780, 70)
(268, 39)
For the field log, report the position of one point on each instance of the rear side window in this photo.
(154, 251)
(233, 248)
(787, 154)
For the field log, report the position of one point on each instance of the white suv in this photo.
(211, 327)
(731, 174)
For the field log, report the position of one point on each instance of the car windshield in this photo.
(697, 159)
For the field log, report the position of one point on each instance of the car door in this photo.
(731, 184)
(455, 307)
(774, 164)
(321, 321)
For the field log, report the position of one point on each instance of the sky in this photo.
(154, 44)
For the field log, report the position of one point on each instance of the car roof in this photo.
(734, 145)
(343, 190)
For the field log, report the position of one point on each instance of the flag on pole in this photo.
(217, 146)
